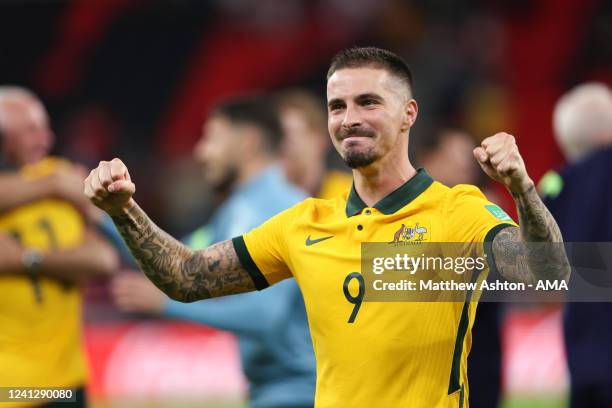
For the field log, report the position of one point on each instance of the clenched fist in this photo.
(499, 157)
(110, 188)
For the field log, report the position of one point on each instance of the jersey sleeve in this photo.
(470, 217)
(263, 250)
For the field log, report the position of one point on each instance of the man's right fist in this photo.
(110, 188)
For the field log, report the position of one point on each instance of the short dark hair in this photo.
(359, 57)
(256, 110)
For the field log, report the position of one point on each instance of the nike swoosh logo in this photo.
(310, 242)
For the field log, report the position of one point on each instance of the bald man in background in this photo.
(48, 251)
(582, 120)
(579, 196)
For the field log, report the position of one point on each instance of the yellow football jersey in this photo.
(40, 335)
(393, 354)
(335, 183)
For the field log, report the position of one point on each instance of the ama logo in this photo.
(409, 234)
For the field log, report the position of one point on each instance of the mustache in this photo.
(344, 133)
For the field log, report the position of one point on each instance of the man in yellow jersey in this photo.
(388, 354)
(47, 252)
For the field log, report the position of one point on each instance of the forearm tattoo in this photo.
(535, 251)
(180, 272)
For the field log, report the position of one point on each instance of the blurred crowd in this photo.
(139, 77)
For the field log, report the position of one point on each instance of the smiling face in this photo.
(369, 114)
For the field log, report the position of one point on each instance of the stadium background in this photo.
(135, 78)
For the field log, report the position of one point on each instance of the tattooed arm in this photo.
(180, 272)
(535, 251)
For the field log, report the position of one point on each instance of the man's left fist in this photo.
(499, 157)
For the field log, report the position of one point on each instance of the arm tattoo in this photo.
(535, 251)
(180, 272)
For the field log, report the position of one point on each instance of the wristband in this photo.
(31, 260)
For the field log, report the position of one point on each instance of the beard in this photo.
(224, 183)
(354, 158)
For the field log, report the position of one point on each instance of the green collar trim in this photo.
(394, 201)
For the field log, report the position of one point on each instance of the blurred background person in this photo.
(579, 196)
(306, 151)
(239, 153)
(582, 120)
(41, 343)
(446, 154)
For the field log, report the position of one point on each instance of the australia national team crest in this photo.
(416, 233)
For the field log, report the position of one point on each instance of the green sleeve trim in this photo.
(247, 262)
